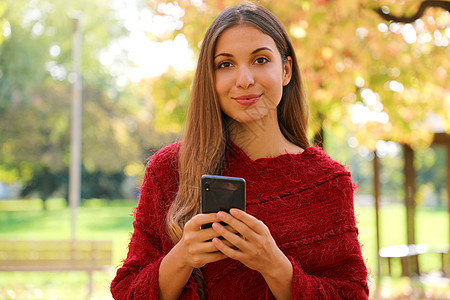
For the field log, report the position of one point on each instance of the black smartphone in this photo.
(221, 193)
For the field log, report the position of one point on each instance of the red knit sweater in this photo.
(305, 199)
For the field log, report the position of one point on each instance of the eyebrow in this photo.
(254, 51)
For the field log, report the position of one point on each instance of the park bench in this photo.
(408, 252)
(71, 255)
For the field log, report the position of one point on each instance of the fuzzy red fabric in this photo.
(305, 199)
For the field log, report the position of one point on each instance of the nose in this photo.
(244, 77)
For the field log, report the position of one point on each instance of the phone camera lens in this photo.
(207, 187)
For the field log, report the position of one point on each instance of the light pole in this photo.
(75, 137)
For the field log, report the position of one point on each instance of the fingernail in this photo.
(234, 211)
(221, 215)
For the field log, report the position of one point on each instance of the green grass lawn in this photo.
(431, 228)
(112, 221)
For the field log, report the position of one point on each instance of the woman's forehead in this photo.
(243, 37)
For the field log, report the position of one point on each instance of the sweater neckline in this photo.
(244, 156)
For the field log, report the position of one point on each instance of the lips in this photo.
(247, 99)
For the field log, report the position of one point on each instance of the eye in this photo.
(225, 64)
(262, 60)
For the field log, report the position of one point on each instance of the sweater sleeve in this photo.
(327, 261)
(138, 277)
(345, 280)
(338, 271)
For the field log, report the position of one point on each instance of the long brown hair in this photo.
(206, 132)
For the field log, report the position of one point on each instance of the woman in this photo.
(247, 118)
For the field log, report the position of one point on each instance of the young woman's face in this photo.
(249, 74)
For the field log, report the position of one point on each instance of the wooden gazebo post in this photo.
(448, 185)
(443, 139)
(410, 191)
(376, 190)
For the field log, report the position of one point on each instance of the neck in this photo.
(261, 139)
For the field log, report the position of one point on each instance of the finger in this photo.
(216, 234)
(197, 221)
(249, 220)
(215, 256)
(238, 225)
(234, 239)
(202, 248)
(200, 260)
(228, 251)
(227, 243)
(231, 229)
(206, 234)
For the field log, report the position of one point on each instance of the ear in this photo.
(287, 71)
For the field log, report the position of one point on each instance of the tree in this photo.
(384, 13)
(35, 95)
(4, 24)
(362, 72)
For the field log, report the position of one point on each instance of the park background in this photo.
(374, 86)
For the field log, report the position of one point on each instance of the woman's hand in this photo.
(194, 250)
(256, 249)
(195, 246)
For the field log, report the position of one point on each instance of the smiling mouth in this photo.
(248, 99)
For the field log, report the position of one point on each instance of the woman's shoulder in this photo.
(168, 152)
(320, 164)
(164, 159)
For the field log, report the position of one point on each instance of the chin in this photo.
(248, 116)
